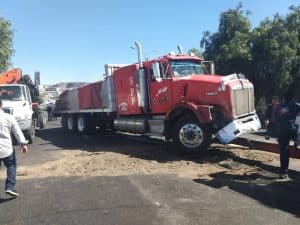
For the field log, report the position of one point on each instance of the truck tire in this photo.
(81, 124)
(85, 124)
(192, 136)
(30, 134)
(71, 123)
(64, 122)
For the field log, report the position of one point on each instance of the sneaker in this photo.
(12, 193)
(283, 176)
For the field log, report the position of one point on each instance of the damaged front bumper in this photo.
(237, 127)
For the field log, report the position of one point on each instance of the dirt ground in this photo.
(82, 163)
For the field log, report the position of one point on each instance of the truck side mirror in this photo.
(211, 66)
(156, 71)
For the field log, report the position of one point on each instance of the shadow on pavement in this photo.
(282, 195)
(3, 200)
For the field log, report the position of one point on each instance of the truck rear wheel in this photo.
(85, 124)
(81, 124)
(30, 133)
(192, 136)
(71, 127)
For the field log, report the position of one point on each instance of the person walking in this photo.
(8, 126)
(49, 111)
(271, 123)
(286, 114)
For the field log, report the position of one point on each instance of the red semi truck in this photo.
(173, 96)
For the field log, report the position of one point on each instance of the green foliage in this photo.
(40, 99)
(229, 45)
(269, 55)
(197, 52)
(6, 42)
(273, 54)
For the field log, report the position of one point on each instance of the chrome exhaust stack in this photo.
(180, 49)
(139, 50)
(142, 84)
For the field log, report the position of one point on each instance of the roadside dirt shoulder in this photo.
(232, 159)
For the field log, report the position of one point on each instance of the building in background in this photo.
(37, 78)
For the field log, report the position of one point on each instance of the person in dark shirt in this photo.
(271, 123)
(286, 115)
(49, 111)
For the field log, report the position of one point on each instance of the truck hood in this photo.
(211, 89)
(203, 78)
(213, 78)
(214, 82)
(20, 109)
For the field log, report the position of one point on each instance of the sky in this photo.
(71, 40)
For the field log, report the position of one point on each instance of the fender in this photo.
(201, 112)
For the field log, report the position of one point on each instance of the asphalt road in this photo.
(145, 199)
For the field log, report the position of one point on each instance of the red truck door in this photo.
(161, 98)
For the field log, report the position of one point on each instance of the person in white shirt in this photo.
(8, 126)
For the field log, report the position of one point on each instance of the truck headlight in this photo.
(222, 86)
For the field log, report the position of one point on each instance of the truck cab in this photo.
(185, 101)
(17, 102)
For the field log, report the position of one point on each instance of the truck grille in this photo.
(243, 101)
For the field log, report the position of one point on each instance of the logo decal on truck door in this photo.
(161, 96)
(161, 90)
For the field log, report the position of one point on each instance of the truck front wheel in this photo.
(192, 136)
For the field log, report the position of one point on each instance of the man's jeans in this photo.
(10, 163)
(284, 140)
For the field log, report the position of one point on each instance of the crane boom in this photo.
(12, 76)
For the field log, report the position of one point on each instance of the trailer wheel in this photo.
(30, 133)
(63, 122)
(192, 136)
(82, 124)
(85, 124)
(71, 124)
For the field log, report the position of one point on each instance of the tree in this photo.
(229, 46)
(269, 55)
(197, 52)
(6, 45)
(292, 23)
(273, 52)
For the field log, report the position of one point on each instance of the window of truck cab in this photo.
(183, 68)
(11, 93)
(164, 71)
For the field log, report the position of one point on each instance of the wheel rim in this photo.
(191, 135)
(81, 124)
(70, 123)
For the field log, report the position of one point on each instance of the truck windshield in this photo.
(182, 68)
(10, 93)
